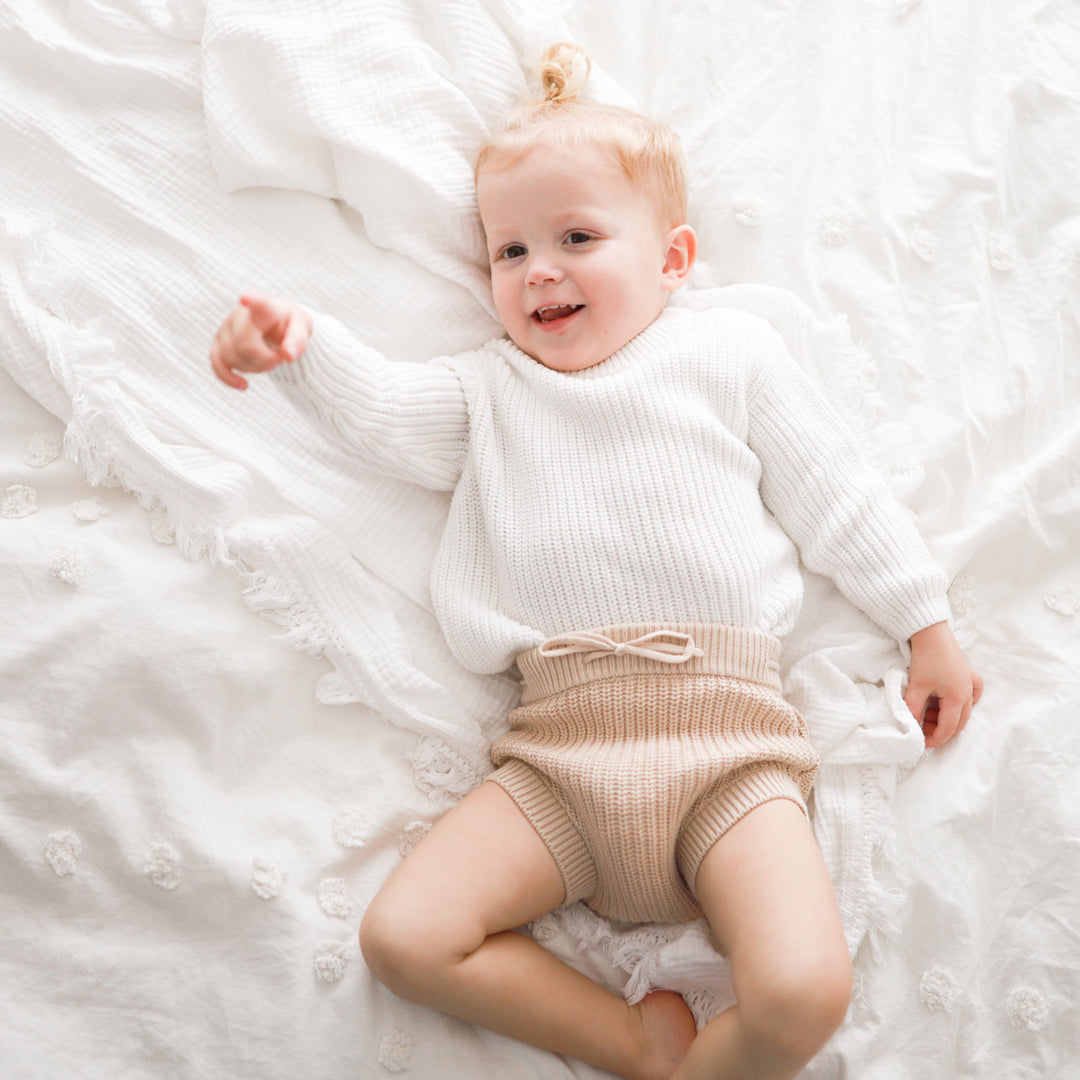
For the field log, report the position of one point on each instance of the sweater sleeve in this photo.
(822, 489)
(404, 420)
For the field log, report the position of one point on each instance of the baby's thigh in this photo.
(482, 869)
(771, 906)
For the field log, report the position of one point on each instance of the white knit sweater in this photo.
(666, 484)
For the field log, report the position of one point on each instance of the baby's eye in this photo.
(578, 237)
(511, 251)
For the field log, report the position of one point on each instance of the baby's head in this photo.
(584, 210)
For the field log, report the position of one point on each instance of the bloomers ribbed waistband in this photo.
(647, 649)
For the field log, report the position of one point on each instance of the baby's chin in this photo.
(571, 359)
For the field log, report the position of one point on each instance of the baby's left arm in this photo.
(942, 687)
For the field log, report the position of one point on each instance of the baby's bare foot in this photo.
(667, 1030)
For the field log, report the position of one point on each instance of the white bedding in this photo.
(192, 816)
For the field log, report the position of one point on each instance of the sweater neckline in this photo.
(639, 349)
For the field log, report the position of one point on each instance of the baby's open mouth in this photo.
(553, 312)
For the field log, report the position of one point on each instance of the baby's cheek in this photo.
(500, 294)
(511, 317)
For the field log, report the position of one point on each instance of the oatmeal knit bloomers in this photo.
(635, 749)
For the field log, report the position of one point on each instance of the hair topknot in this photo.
(563, 71)
(647, 150)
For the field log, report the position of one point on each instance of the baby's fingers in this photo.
(931, 712)
(284, 326)
(244, 347)
(976, 687)
(297, 332)
(949, 721)
(916, 698)
(267, 315)
(224, 372)
(240, 350)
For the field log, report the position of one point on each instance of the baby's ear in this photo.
(679, 257)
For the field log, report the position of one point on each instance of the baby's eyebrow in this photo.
(499, 238)
(592, 222)
(581, 213)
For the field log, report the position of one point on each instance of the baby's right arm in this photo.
(257, 335)
(406, 420)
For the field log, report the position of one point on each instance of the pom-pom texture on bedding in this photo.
(196, 804)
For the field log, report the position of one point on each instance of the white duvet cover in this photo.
(193, 816)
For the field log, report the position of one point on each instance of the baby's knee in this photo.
(404, 950)
(391, 945)
(798, 1013)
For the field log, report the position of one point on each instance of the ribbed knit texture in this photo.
(727, 650)
(663, 485)
(631, 776)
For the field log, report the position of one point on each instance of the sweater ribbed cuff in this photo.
(919, 605)
(325, 359)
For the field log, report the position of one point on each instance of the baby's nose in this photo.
(541, 270)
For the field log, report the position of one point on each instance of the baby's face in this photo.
(577, 255)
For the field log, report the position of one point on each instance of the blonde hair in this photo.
(648, 150)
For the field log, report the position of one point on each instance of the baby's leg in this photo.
(772, 910)
(440, 933)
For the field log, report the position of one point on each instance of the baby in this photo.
(632, 485)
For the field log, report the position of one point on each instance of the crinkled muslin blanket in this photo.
(891, 185)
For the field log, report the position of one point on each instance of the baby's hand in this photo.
(257, 335)
(942, 688)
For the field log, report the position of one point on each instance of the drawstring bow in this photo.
(648, 646)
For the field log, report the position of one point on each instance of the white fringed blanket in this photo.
(905, 174)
